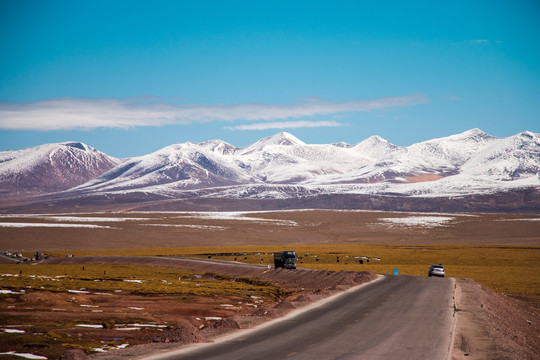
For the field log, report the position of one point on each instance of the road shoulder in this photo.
(490, 325)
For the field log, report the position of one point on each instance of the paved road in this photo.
(398, 317)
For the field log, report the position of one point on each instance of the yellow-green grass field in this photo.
(142, 280)
(508, 269)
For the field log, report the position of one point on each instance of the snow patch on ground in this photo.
(418, 221)
(11, 292)
(23, 225)
(90, 219)
(24, 355)
(202, 227)
(236, 216)
(529, 219)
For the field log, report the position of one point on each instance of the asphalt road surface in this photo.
(398, 317)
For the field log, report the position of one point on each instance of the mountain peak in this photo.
(218, 146)
(77, 145)
(528, 135)
(472, 134)
(375, 139)
(52, 167)
(282, 138)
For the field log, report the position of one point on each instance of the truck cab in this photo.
(285, 259)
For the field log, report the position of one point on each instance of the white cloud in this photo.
(480, 41)
(484, 41)
(286, 125)
(89, 113)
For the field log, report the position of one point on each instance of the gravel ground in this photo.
(491, 326)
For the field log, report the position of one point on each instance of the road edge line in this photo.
(450, 350)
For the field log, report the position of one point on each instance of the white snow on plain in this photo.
(11, 291)
(90, 219)
(202, 227)
(13, 331)
(142, 325)
(236, 216)
(25, 355)
(50, 225)
(420, 221)
(107, 348)
(528, 219)
(93, 326)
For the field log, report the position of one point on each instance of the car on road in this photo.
(436, 270)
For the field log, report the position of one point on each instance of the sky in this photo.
(132, 77)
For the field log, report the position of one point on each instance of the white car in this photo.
(436, 270)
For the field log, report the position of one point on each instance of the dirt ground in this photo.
(166, 230)
(491, 326)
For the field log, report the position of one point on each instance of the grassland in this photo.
(508, 269)
(134, 279)
(48, 306)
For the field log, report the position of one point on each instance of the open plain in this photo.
(119, 289)
(96, 231)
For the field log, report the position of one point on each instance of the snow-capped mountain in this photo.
(51, 167)
(512, 158)
(284, 159)
(282, 167)
(178, 166)
(428, 160)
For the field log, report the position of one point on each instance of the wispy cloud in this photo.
(484, 41)
(286, 125)
(89, 113)
(480, 41)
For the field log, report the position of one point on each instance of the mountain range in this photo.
(471, 171)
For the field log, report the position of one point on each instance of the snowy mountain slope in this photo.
(430, 159)
(283, 158)
(218, 146)
(376, 148)
(51, 167)
(425, 161)
(449, 153)
(512, 158)
(284, 167)
(180, 166)
(456, 164)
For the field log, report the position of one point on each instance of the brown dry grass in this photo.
(293, 228)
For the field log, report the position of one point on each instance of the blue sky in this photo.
(131, 77)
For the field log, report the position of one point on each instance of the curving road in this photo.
(398, 317)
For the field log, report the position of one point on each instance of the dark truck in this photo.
(285, 259)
